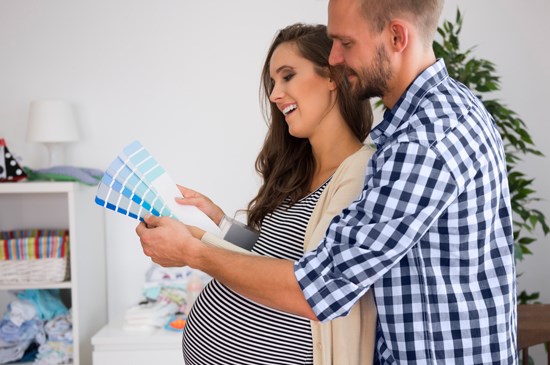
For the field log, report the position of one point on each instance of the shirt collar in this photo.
(407, 104)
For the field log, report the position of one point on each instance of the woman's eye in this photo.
(288, 77)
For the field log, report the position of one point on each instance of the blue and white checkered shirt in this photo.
(431, 233)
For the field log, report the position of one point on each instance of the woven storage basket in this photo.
(34, 256)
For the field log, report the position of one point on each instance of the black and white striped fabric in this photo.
(226, 328)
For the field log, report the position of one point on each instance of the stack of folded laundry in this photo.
(149, 315)
(58, 348)
(166, 299)
(37, 327)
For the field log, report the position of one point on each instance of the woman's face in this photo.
(300, 93)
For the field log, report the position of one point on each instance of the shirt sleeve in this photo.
(407, 187)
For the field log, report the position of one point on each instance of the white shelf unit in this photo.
(65, 205)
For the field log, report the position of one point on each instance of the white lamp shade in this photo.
(51, 121)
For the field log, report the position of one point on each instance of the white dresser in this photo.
(112, 345)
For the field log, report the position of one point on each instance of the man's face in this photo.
(358, 49)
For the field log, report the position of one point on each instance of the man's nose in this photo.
(335, 57)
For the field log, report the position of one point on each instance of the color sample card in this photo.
(134, 184)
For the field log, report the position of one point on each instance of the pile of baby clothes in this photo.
(25, 330)
(165, 292)
(147, 316)
(58, 348)
(20, 341)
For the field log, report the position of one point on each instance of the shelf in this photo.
(32, 362)
(23, 286)
(64, 205)
(26, 187)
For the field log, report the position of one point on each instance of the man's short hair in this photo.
(423, 13)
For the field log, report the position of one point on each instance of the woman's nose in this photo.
(276, 94)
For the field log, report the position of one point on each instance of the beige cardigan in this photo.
(346, 340)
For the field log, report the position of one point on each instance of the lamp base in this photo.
(56, 155)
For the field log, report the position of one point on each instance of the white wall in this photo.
(182, 77)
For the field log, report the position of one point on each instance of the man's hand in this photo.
(167, 241)
(266, 280)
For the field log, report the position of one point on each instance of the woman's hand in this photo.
(191, 197)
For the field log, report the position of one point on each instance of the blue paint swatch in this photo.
(126, 186)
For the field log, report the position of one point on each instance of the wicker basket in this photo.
(34, 256)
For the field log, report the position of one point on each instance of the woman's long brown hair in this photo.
(286, 163)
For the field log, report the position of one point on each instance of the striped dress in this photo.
(226, 328)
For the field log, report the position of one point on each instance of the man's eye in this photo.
(346, 44)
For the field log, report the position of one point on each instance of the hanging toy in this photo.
(10, 171)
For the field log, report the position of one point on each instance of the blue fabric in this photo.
(11, 334)
(431, 234)
(85, 175)
(47, 302)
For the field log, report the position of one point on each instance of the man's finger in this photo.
(151, 220)
(141, 227)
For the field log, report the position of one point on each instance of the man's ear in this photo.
(399, 33)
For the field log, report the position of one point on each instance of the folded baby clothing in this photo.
(10, 333)
(37, 326)
(149, 315)
(15, 340)
(58, 348)
(13, 352)
(20, 311)
(54, 352)
(48, 303)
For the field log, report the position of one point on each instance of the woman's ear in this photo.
(332, 84)
(330, 74)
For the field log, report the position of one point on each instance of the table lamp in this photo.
(52, 122)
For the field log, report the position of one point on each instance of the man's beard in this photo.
(373, 81)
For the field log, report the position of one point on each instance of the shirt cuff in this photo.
(213, 240)
(330, 295)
